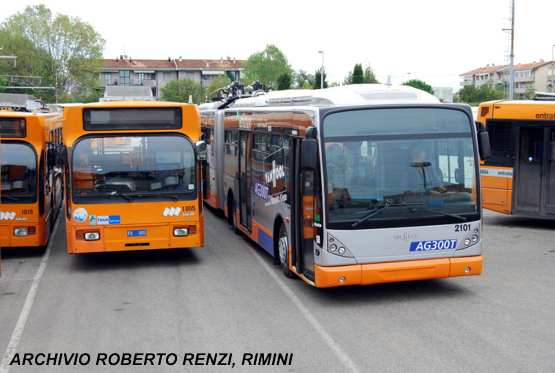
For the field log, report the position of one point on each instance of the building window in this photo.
(107, 78)
(141, 78)
(125, 77)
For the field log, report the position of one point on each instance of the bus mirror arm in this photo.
(484, 147)
(201, 150)
(61, 155)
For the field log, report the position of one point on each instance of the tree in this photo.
(302, 79)
(218, 82)
(473, 95)
(180, 90)
(369, 76)
(419, 84)
(69, 49)
(358, 75)
(284, 82)
(317, 80)
(266, 66)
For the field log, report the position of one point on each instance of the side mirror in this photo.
(51, 157)
(484, 147)
(309, 150)
(201, 150)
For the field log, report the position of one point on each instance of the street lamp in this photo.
(322, 71)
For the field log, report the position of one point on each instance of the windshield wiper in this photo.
(375, 212)
(10, 198)
(461, 218)
(131, 196)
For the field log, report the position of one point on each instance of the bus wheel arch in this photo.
(281, 248)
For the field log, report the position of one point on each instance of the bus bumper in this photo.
(377, 273)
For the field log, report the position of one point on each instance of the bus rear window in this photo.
(117, 119)
(13, 127)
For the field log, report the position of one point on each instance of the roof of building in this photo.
(491, 69)
(180, 63)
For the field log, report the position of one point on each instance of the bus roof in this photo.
(343, 95)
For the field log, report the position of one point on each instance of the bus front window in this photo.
(19, 173)
(134, 166)
(384, 175)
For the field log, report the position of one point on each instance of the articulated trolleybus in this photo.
(31, 183)
(132, 177)
(350, 185)
(519, 178)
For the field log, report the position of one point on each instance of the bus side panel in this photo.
(497, 193)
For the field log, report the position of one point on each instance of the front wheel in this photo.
(283, 252)
(233, 216)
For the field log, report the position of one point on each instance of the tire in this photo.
(233, 216)
(283, 252)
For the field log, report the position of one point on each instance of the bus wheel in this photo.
(233, 216)
(283, 252)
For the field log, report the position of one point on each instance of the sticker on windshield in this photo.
(433, 245)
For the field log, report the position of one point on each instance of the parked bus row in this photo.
(350, 185)
(130, 173)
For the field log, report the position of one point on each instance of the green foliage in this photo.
(318, 80)
(64, 51)
(218, 82)
(284, 82)
(472, 95)
(358, 75)
(419, 84)
(266, 66)
(302, 80)
(180, 90)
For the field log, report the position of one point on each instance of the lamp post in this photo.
(322, 71)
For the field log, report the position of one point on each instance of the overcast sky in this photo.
(431, 40)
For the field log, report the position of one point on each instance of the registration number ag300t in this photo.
(433, 245)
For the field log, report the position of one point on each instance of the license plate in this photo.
(433, 245)
(136, 233)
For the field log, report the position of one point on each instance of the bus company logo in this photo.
(7, 215)
(405, 236)
(260, 190)
(276, 173)
(173, 211)
(80, 215)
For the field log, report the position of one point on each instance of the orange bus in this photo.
(31, 183)
(519, 178)
(132, 176)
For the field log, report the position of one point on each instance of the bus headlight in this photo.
(20, 232)
(92, 236)
(179, 232)
(337, 248)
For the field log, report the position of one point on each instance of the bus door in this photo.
(535, 176)
(245, 177)
(306, 217)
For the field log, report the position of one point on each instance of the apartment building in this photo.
(127, 71)
(539, 76)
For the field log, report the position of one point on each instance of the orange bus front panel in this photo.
(377, 273)
(135, 237)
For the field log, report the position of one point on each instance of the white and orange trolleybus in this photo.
(31, 194)
(132, 176)
(323, 180)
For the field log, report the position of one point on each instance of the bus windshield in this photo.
(136, 168)
(385, 164)
(19, 173)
